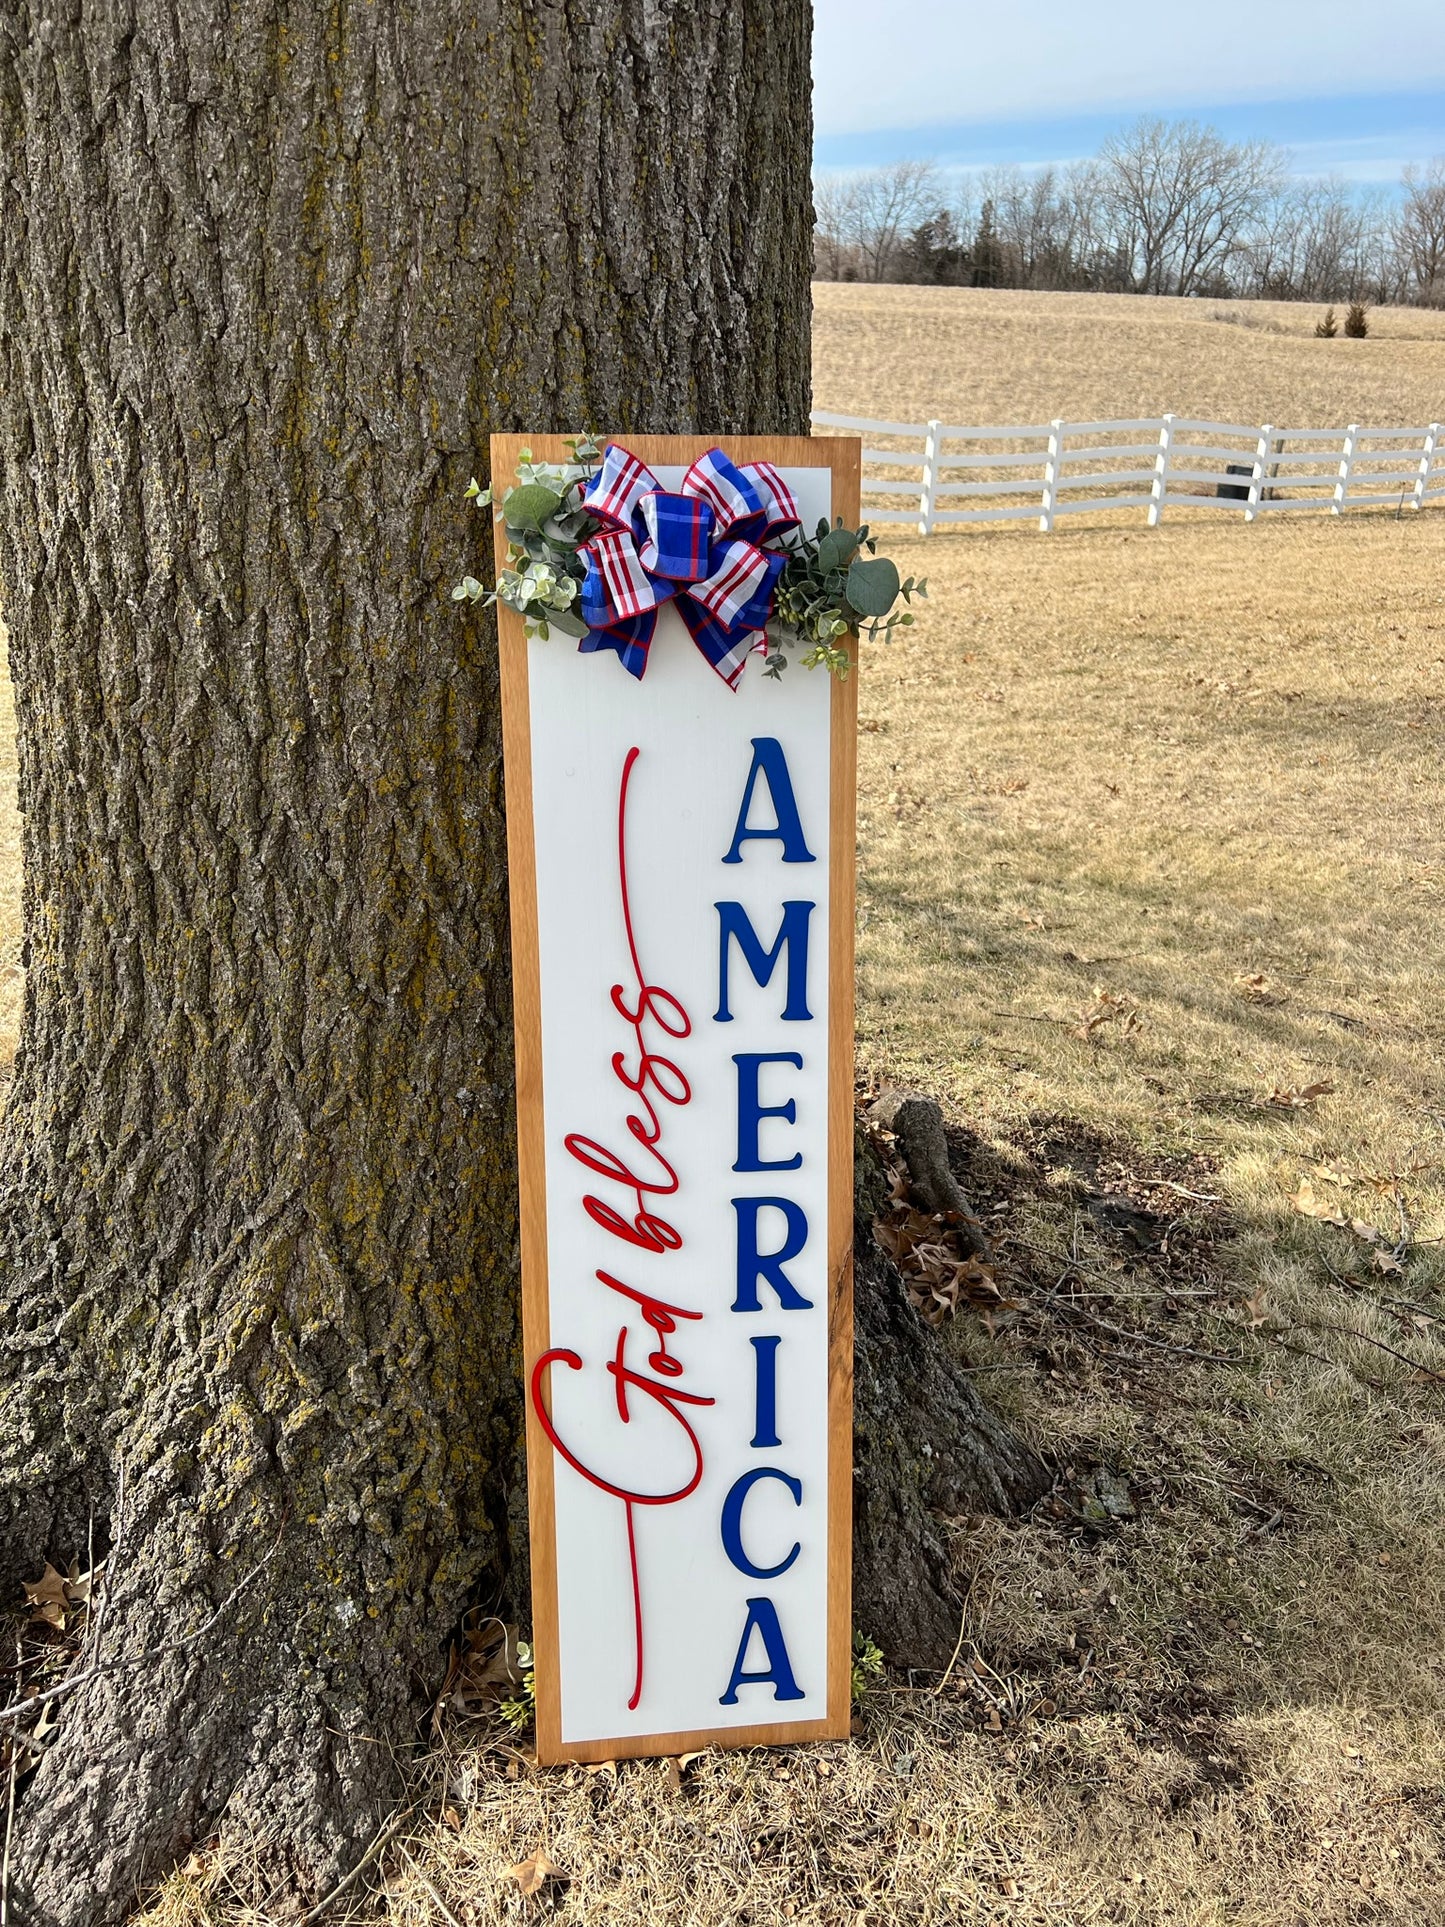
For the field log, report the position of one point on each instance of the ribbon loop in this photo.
(679, 531)
(699, 546)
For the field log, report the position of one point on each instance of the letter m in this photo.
(792, 936)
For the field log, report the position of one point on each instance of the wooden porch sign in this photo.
(682, 862)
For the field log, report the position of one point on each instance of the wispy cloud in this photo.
(921, 62)
(1366, 138)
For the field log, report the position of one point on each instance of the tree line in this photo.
(1164, 207)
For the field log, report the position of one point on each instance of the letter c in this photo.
(732, 1521)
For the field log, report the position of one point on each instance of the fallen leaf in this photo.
(80, 1586)
(47, 1597)
(1309, 1206)
(1257, 1309)
(1292, 1099)
(1107, 1008)
(1369, 1232)
(1387, 1264)
(533, 1873)
(1258, 988)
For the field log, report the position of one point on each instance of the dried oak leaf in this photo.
(533, 1873)
(1259, 988)
(1295, 1099)
(1309, 1206)
(676, 1769)
(47, 1597)
(1256, 1310)
(1107, 1008)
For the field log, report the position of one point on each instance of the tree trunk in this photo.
(268, 276)
(926, 1450)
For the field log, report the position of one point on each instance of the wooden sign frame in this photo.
(842, 458)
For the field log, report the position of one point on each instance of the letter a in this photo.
(770, 763)
(763, 1617)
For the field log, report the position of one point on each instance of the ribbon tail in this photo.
(725, 646)
(631, 638)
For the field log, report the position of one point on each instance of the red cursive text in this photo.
(654, 1081)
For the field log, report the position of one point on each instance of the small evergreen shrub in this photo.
(1357, 324)
(1327, 329)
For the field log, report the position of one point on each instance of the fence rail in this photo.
(1060, 468)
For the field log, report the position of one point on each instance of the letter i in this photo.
(766, 1403)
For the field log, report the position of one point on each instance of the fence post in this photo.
(1051, 476)
(930, 478)
(1427, 462)
(1262, 451)
(1347, 463)
(1159, 487)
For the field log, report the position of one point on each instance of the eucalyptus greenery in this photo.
(833, 584)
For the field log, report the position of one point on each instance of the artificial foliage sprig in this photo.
(546, 526)
(833, 584)
(520, 1710)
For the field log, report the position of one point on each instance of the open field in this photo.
(993, 355)
(1151, 891)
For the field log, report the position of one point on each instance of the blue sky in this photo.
(1351, 87)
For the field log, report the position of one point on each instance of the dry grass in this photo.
(1200, 770)
(978, 356)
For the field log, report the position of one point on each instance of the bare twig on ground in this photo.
(18, 1708)
(9, 1818)
(1168, 1184)
(384, 1836)
(441, 1906)
(1348, 1331)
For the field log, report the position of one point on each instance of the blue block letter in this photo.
(752, 1111)
(732, 1521)
(733, 921)
(763, 1616)
(765, 1397)
(770, 763)
(768, 1265)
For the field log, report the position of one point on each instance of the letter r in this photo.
(768, 1265)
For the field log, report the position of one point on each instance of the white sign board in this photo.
(682, 864)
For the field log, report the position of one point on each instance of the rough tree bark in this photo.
(926, 1448)
(268, 275)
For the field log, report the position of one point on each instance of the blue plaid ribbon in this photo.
(700, 548)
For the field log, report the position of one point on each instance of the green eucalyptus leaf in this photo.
(873, 586)
(836, 550)
(569, 624)
(529, 506)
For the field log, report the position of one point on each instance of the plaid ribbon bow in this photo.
(701, 548)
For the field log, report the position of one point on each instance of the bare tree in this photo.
(1182, 199)
(891, 201)
(268, 274)
(1164, 208)
(1034, 216)
(1421, 231)
(835, 237)
(1315, 241)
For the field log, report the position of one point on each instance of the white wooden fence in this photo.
(1072, 468)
